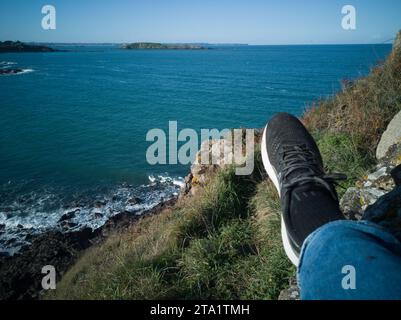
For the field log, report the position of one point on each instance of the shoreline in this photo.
(52, 209)
(20, 274)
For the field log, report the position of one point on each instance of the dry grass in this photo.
(363, 108)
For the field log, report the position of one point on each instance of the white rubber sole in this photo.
(273, 177)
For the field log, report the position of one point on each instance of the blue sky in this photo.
(214, 21)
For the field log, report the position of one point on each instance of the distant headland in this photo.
(18, 46)
(161, 46)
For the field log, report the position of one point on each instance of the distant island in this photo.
(161, 46)
(18, 46)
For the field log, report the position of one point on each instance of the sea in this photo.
(73, 125)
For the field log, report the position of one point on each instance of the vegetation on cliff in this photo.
(161, 46)
(224, 241)
(17, 46)
(349, 125)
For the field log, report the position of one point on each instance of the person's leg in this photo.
(363, 258)
(350, 260)
(309, 207)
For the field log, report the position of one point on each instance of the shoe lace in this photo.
(299, 157)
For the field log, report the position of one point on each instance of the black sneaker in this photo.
(294, 164)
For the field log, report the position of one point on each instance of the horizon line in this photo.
(389, 42)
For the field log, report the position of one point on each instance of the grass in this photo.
(349, 125)
(224, 242)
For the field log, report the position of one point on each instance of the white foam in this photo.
(179, 182)
(26, 71)
(22, 219)
(166, 179)
(4, 64)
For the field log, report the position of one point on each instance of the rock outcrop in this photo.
(292, 292)
(378, 183)
(213, 150)
(219, 157)
(391, 136)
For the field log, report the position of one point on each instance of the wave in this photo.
(34, 213)
(5, 64)
(26, 71)
(179, 181)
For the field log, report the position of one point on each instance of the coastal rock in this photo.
(292, 292)
(134, 200)
(212, 156)
(391, 136)
(350, 204)
(201, 168)
(186, 188)
(370, 188)
(20, 276)
(218, 155)
(66, 225)
(356, 199)
(11, 71)
(67, 216)
(393, 156)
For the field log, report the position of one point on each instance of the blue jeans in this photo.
(354, 260)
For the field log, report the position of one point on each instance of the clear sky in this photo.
(213, 21)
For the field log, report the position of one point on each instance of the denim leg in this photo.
(350, 260)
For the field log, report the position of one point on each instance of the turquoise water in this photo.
(72, 130)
